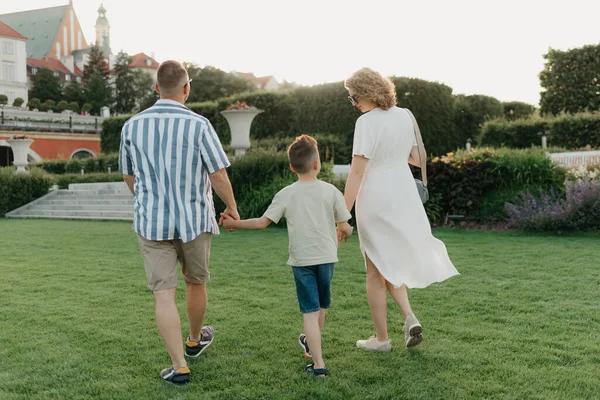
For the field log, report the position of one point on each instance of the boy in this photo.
(312, 209)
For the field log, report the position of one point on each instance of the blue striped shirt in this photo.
(171, 151)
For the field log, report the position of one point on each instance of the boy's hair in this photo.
(302, 153)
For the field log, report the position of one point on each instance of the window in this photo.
(8, 48)
(67, 78)
(11, 97)
(9, 72)
(78, 79)
(56, 74)
(82, 153)
(33, 71)
(148, 62)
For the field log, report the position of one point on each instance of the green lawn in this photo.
(76, 321)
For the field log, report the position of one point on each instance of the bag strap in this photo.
(420, 147)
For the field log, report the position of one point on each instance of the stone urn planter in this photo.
(239, 117)
(20, 148)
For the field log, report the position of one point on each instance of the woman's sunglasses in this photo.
(353, 99)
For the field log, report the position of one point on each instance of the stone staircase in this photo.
(97, 201)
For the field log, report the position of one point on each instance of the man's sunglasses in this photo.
(188, 82)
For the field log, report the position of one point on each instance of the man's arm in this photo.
(129, 179)
(247, 224)
(222, 186)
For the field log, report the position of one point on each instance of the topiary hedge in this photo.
(16, 190)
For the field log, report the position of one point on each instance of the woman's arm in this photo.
(355, 177)
(413, 159)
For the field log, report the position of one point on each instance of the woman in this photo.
(394, 232)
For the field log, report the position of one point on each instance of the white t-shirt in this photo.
(311, 210)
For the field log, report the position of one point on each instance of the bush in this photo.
(332, 148)
(90, 165)
(250, 173)
(18, 102)
(579, 209)
(62, 106)
(476, 184)
(73, 106)
(110, 137)
(521, 133)
(63, 181)
(16, 190)
(517, 110)
(86, 108)
(571, 131)
(3, 100)
(34, 104)
(50, 103)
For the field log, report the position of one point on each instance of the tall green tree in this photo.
(211, 83)
(98, 93)
(125, 90)
(96, 63)
(571, 80)
(46, 86)
(145, 94)
(73, 92)
(470, 112)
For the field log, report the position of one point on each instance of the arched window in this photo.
(82, 153)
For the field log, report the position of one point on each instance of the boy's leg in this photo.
(322, 318)
(313, 335)
(308, 299)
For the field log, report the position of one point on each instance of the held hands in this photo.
(227, 219)
(344, 230)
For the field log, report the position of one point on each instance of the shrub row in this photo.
(572, 131)
(89, 165)
(16, 190)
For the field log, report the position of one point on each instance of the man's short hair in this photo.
(171, 75)
(302, 153)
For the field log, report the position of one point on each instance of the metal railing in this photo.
(15, 119)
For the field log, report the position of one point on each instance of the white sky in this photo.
(488, 47)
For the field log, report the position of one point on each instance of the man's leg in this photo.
(196, 300)
(169, 325)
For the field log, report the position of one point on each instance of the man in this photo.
(171, 158)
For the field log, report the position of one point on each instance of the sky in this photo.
(486, 47)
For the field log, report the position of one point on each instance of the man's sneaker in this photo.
(194, 349)
(304, 343)
(179, 376)
(374, 345)
(413, 331)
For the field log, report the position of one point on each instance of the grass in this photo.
(76, 321)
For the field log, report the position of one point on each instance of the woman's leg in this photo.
(377, 296)
(400, 296)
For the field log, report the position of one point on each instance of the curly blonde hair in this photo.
(371, 85)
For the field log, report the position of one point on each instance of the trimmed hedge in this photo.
(517, 110)
(16, 190)
(110, 137)
(471, 112)
(89, 165)
(571, 131)
(63, 181)
(332, 148)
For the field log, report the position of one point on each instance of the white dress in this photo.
(393, 228)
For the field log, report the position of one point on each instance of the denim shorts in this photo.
(313, 286)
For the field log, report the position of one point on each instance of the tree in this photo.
(517, 109)
(571, 80)
(470, 112)
(96, 63)
(3, 100)
(73, 92)
(34, 103)
(18, 102)
(46, 86)
(211, 83)
(145, 94)
(125, 90)
(98, 93)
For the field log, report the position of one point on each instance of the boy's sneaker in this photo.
(304, 343)
(194, 349)
(374, 345)
(413, 331)
(179, 376)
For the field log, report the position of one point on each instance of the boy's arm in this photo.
(248, 224)
(344, 230)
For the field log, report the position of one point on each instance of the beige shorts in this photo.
(161, 259)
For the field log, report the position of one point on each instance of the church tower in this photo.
(103, 32)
